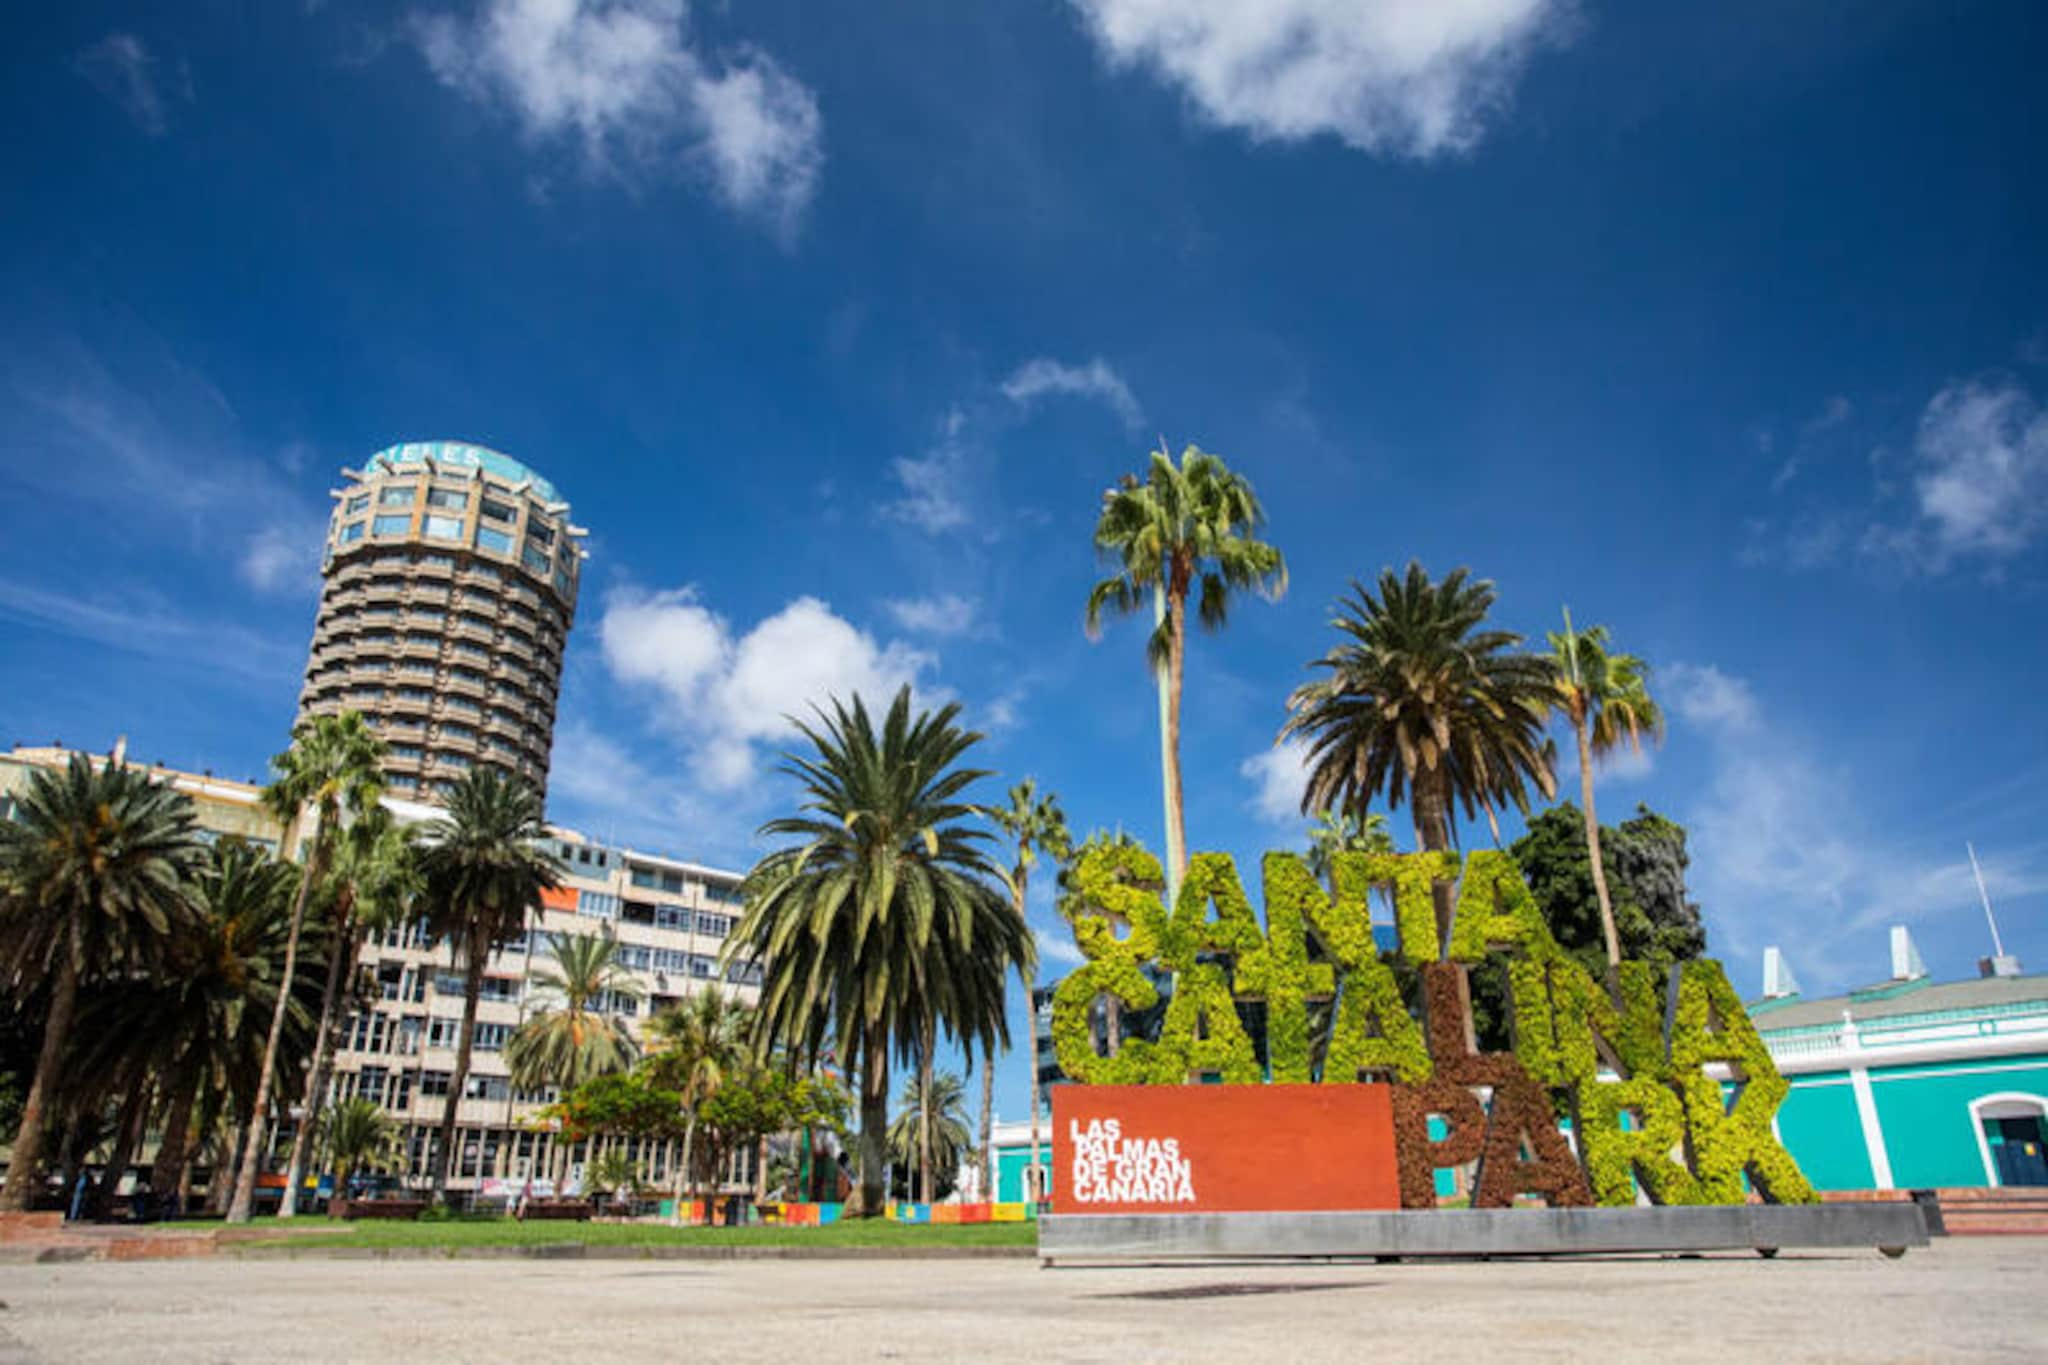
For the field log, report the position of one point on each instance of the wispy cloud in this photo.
(1782, 851)
(1043, 375)
(945, 614)
(121, 67)
(1415, 78)
(1056, 950)
(931, 485)
(1278, 777)
(625, 80)
(143, 622)
(1980, 478)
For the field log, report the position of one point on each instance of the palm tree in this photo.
(887, 919)
(613, 1171)
(571, 1036)
(698, 1044)
(331, 766)
(482, 870)
(1183, 526)
(1345, 831)
(94, 880)
(1035, 824)
(1605, 696)
(358, 1133)
(371, 887)
(198, 1027)
(1424, 705)
(931, 1128)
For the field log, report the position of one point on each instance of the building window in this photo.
(496, 541)
(499, 511)
(442, 528)
(461, 704)
(351, 533)
(435, 1083)
(447, 497)
(391, 525)
(536, 560)
(716, 926)
(634, 956)
(398, 495)
(562, 582)
(539, 534)
(358, 503)
(597, 904)
(471, 649)
(703, 967)
(439, 561)
(423, 666)
(411, 751)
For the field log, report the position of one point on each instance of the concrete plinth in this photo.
(1476, 1232)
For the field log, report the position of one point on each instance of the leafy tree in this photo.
(612, 1173)
(616, 1104)
(94, 881)
(698, 1044)
(355, 1134)
(332, 766)
(932, 1127)
(1035, 824)
(571, 1036)
(886, 919)
(483, 868)
(758, 1102)
(371, 886)
(1645, 861)
(1183, 527)
(1605, 697)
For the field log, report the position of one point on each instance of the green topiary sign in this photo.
(1627, 1060)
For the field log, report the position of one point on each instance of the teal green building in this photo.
(1912, 1083)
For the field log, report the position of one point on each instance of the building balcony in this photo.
(439, 573)
(412, 647)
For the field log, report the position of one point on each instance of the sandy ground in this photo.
(1984, 1298)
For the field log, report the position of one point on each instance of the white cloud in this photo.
(1706, 697)
(946, 614)
(1043, 375)
(933, 497)
(1278, 776)
(728, 693)
(1982, 482)
(283, 557)
(624, 78)
(1780, 852)
(1056, 950)
(1404, 77)
(121, 67)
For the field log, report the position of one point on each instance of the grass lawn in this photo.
(467, 1232)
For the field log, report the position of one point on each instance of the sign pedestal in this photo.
(1069, 1237)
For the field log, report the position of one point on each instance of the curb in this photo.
(580, 1251)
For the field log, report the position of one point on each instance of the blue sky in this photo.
(1727, 325)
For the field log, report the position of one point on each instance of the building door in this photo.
(2020, 1148)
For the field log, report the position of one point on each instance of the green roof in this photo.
(1887, 1001)
(464, 455)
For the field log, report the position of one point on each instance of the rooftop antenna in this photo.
(1997, 944)
(1998, 964)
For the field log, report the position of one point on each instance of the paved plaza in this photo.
(1976, 1299)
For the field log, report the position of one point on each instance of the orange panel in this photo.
(1223, 1148)
(560, 898)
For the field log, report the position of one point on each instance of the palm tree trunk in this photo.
(472, 991)
(874, 1121)
(924, 1114)
(243, 1204)
(1433, 830)
(683, 1170)
(25, 1170)
(988, 1123)
(127, 1137)
(323, 1056)
(226, 1160)
(167, 1171)
(1169, 753)
(1032, 1191)
(1593, 843)
(1176, 809)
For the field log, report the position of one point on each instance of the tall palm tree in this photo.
(1184, 526)
(1421, 703)
(863, 927)
(94, 880)
(1605, 697)
(1345, 831)
(198, 1025)
(482, 870)
(572, 1035)
(697, 1045)
(371, 887)
(332, 767)
(1035, 824)
(930, 1128)
(358, 1133)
